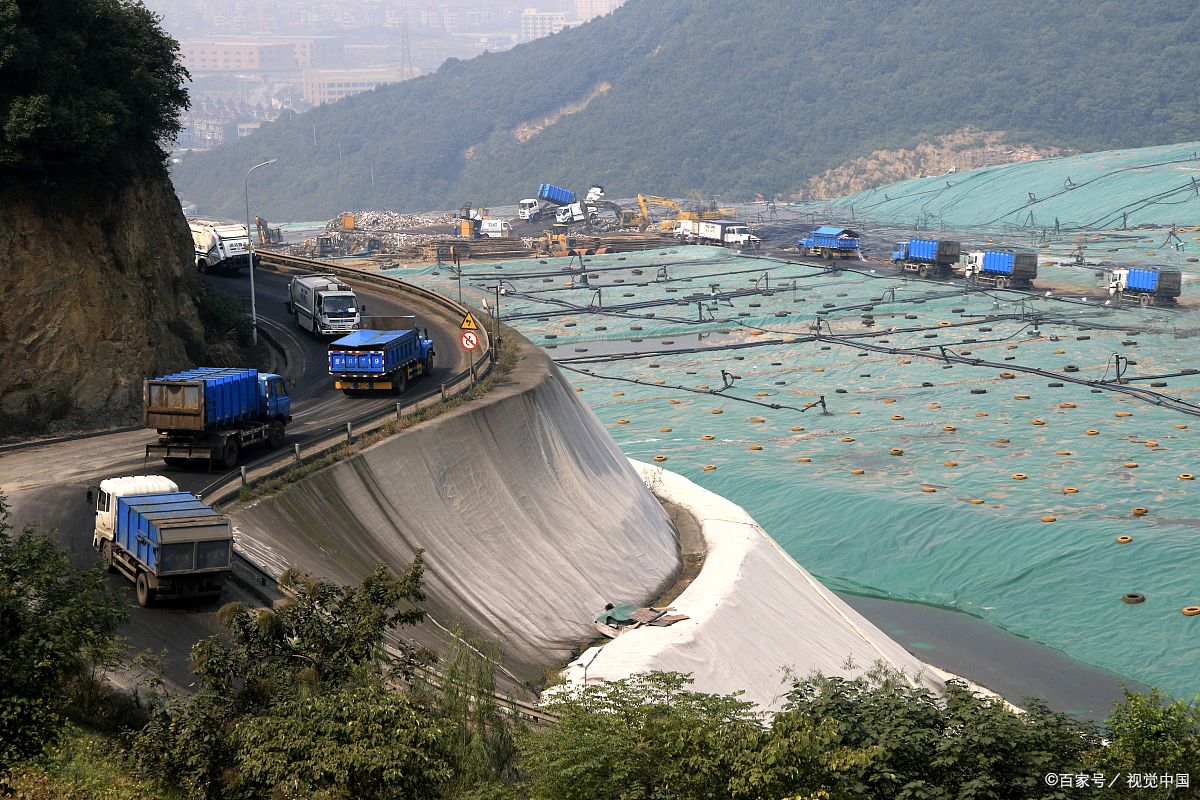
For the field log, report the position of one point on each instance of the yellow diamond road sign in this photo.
(468, 323)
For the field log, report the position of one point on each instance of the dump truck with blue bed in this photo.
(168, 542)
(1001, 268)
(379, 361)
(1146, 286)
(927, 257)
(829, 242)
(212, 414)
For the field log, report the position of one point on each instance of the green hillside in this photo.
(727, 97)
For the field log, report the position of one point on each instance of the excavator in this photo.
(623, 217)
(706, 211)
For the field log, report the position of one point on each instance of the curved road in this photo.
(46, 485)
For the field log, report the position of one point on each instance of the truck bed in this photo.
(201, 398)
(173, 533)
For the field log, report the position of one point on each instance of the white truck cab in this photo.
(529, 209)
(112, 488)
(323, 305)
(727, 234)
(575, 212)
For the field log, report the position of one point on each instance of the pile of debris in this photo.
(385, 221)
(618, 618)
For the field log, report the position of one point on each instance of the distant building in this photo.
(262, 54)
(536, 24)
(587, 9)
(211, 122)
(316, 51)
(326, 85)
(209, 55)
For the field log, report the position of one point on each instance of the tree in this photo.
(482, 743)
(91, 84)
(53, 618)
(962, 745)
(317, 640)
(1151, 733)
(358, 743)
(646, 736)
(287, 666)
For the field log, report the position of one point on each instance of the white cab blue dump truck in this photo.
(1146, 286)
(213, 413)
(1001, 268)
(829, 242)
(927, 257)
(168, 542)
(379, 361)
(323, 305)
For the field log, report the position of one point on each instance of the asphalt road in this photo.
(46, 485)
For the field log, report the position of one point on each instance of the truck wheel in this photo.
(429, 364)
(275, 438)
(923, 271)
(229, 455)
(106, 556)
(145, 595)
(400, 385)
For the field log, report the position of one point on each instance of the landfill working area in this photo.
(1022, 457)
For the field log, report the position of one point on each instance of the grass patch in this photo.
(509, 354)
(83, 765)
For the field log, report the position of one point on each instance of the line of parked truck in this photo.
(1005, 269)
(1002, 269)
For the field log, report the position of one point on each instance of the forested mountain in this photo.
(726, 96)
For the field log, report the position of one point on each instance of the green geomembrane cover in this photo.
(946, 520)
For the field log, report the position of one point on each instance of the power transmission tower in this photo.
(406, 65)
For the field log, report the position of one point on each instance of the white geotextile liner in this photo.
(530, 516)
(753, 611)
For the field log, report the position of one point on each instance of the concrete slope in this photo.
(530, 516)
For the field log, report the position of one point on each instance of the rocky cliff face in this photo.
(96, 293)
(960, 151)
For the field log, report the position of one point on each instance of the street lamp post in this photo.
(496, 325)
(250, 252)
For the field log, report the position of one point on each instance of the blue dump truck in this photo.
(168, 542)
(830, 242)
(1146, 286)
(1001, 268)
(379, 361)
(927, 257)
(211, 414)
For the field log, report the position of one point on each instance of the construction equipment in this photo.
(829, 242)
(927, 257)
(1001, 268)
(169, 543)
(701, 212)
(1146, 286)
(214, 413)
(378, 360)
